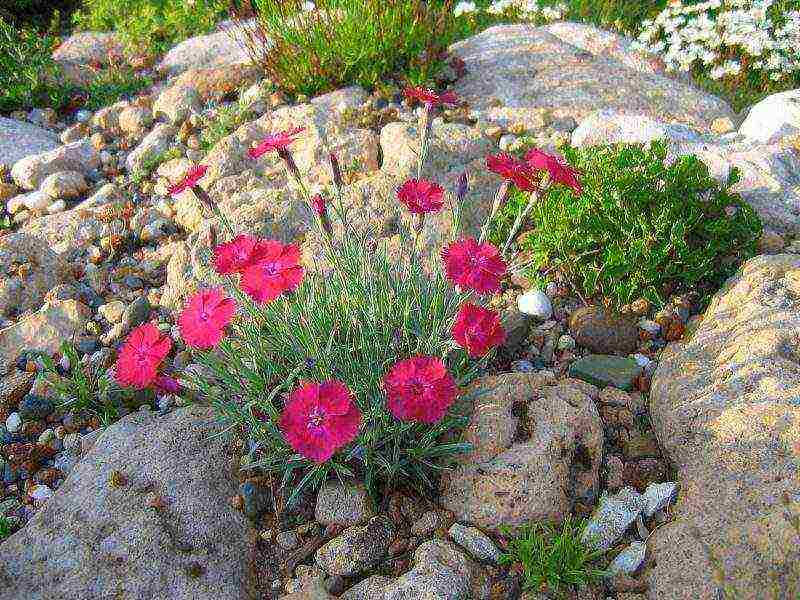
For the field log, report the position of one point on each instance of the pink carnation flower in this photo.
(477, 329)
(203, 321)
(512, 169)
(559, 170)
(275, 141)
(192, 178)
(429, 97)
(320, 418)
(274, 269)
(421, 196)
(419, 389)
(234, 256)
(478, 267)
(140, 356)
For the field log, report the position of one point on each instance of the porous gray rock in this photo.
(221, 48)
(357, 548)
(64, 184)
(31, 171)
(343, 504)
(79, 52)
(19, 139)
(773, 118)
(154, 143)
(723, 404)
(167, 531)
(508, 479)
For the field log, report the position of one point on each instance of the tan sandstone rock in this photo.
(724, 405)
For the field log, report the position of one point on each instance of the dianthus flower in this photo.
(167, 385)
(429, 97)
(140, 356)
(421, 196)
(274, 270)
(477, 329)
(419, 389)
(478, 267)
(275, 141)
(514, 170)
(559, 170)
(203, 321)
(320, 418)
(189, 182)
(234, 256)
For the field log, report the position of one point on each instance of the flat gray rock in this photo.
(222, 48)
(94, 540)
(527, 69)
(19, 139)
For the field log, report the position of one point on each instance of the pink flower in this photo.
(205, 318)
(318, 205)
(559, 170)
(234, 256)
(192, 178)
(140, 356)
(477, 329)
(419, 389)
(429, 97)
(275, 141)
(320, 418)
(474, 266)
(517, 171)
(421, 196)
(274, 270)
(167, 385)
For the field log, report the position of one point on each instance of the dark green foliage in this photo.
(641, 228)
(347, 42)
(554, 560)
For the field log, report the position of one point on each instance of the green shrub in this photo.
(642, 227)
(27, 71)
(346, 42)
(152, 26)
(554, 561)
(38, 14)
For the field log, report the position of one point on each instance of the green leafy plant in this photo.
(84, 387)
(152, 162)
(112, 84)
(6, 528)
(346, 42)
(643, 226)
(151, 26)
(226, 120)
(554, 560)
(28, 74)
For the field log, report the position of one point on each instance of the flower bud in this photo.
(288, 159)
(500, 197)
(336, 172)
(462, 187)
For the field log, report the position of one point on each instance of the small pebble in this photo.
(13, 422)
(535, 303)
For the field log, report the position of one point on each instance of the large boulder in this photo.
(515, 71)
(770, 173)
(724, 405)
(19, 139)
(82, 52)
(28, 270)
(223, 48)
(537, 447)
(145, 514)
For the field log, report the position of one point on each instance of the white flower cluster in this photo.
(526, 10)
(726, 37)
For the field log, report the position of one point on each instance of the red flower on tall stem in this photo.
(189, 182)
(512, 169)
(419, 389)
(141, 355)
(319, 419)
(274, 270)
(421, 196)
(203, 321)
(275, 141)
(430, 98)
(477, 329)
(478, 267)
(234, 256)
(559, 170)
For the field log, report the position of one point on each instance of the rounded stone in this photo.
(535, 303)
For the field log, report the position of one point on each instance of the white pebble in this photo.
(13, 422)
(535, 303)
(641, 360)
(649, 326)
(56, 207)
(629, 560)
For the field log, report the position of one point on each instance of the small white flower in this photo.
(309, 6)
(464, 8)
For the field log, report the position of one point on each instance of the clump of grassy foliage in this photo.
(643, 226)
(226, 120)
(554, 560)
(28, 74)
(347, 42)
(151, 26)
